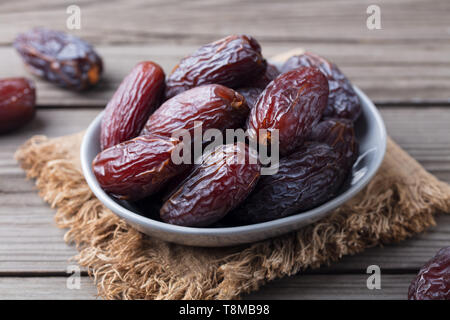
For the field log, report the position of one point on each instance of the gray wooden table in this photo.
(404, 68)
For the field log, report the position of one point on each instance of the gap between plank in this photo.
(43, 274)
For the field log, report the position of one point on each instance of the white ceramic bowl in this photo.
(371, 135)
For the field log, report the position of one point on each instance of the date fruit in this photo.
(433, 280)
(306, 179)
(293, 104)
(261, 82)
(137, 97)
(17, 103)
(342, 100)
(231, 61)
(253, 90)
(339, 134)
(251, 95)
(60, 58)
(214, 105)
(214, 188)
(137, 168)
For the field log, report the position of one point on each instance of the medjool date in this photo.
(137, 168)
(231, 61)
(137, 97)
(342, 100)
(433, 280)
(293, 104)
(305, 179)
(214, 188)
(214, 105)
(17, 103)
(340, 134)
(60, 58)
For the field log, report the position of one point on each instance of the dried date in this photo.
(60, 58)
(17, 103)
(137, 168)
(214, 188)
(231, 61)
(433, 280)
(214, 105)
(342, 100)
(173, 184)
(306, 179)
(339, 134)
(137, 97)
(293, 104)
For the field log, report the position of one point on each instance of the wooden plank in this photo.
(340, 287)
(405, 256)
(29, 238)
(388, 73)
(313, 287)
(29, 241)
(142, 21)
(406, 61)
(46, 288)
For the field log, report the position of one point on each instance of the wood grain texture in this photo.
(30, 242)
(342, 287)
(335, 287)
(143, 21)
(406, 61)
(46, 288)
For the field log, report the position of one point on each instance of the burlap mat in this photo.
(399, 202)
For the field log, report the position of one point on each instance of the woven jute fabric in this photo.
(399, 202)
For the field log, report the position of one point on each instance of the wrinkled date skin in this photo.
(306, 179)
(342, 100)
(339, 134)
(137, 168)
(137, 97)
(17, 103)
(215, 106)
(231, 61)
(214, 188)
(433, 280)
(60, 58)
(293, 103)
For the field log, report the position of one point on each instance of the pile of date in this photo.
(306, 109)
(309, 105)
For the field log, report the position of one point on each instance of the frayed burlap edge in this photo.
(399, 202)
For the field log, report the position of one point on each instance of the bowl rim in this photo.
(315, 213)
